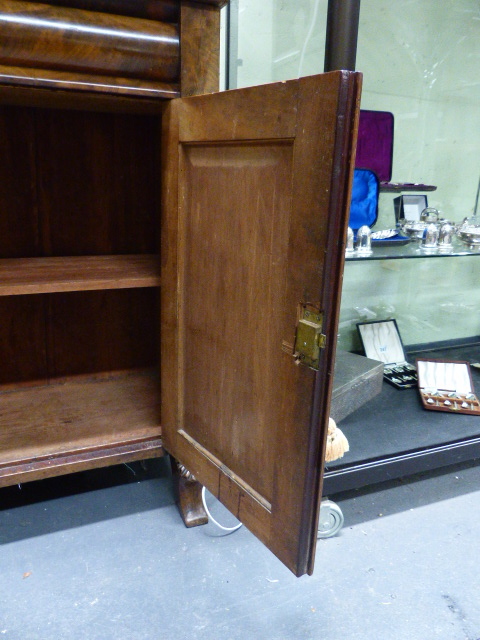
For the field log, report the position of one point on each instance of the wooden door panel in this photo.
(257, 193)
(243, 257)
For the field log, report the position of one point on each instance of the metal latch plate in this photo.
(309, 338)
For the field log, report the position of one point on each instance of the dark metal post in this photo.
(342, 32)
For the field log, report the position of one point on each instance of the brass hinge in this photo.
(309, 338)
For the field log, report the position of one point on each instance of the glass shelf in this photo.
(398, 187)
(413, 250)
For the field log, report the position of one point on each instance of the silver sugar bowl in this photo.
(469, 231)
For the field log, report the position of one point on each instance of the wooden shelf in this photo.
(20, 276)
(78, 424)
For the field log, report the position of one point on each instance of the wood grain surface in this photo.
(20, 276)
(77, 416)
(255, 213)
(97, 184)
(82, 460)
(79, 224)
(101, 331)
(215, 3)
(200, 46)
(41, 36)
(23, 349)
(95, 47)
(78, 183)
(19, 230)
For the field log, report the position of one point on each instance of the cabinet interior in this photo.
(79, 288)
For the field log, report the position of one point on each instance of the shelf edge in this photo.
(75, 461)
(28, 276)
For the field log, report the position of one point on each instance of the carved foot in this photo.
(188, 495)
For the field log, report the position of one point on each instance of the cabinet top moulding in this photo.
(163, 10)
(216, 3)
(44, 46)
(120, 55)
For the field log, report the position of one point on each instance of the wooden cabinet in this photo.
(156, 250)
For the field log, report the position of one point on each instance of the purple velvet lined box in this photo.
(375, 143)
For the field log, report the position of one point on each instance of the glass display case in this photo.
(392, 435)
(420, 63)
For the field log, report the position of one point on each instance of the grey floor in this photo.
(103, 555)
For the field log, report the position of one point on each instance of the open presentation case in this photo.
(381, 341)
(447, 386)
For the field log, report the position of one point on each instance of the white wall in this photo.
(421, 61)
(279, 39)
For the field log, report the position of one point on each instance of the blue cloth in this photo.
(364, 203)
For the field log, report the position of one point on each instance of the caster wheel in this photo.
(331, 519)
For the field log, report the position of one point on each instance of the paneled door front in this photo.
(257, 191)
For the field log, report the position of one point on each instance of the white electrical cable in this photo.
(309, 35)
(210, 517)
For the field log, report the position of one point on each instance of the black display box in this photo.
(409, 207)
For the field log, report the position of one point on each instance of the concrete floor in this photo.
(103, 555)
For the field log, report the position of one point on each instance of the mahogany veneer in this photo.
(37, 35)
(239, 200)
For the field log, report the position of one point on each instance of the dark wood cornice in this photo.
(163, 10)
(216, 3)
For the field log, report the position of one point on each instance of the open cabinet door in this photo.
(257, 192)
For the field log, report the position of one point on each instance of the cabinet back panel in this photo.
(77, 183)
(67, 334)
(23, 351)
(95, 331)
(97, 182)
(18, 208)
